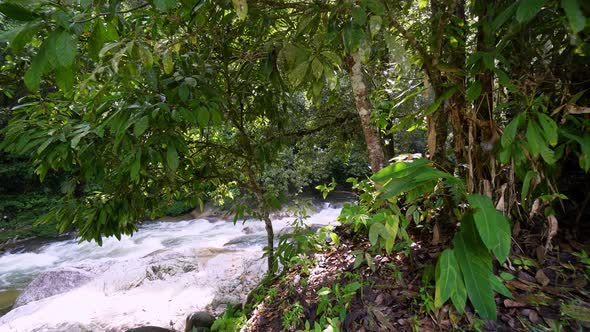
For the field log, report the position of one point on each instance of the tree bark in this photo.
(363, 107)
(457, 102)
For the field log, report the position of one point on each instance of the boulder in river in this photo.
(200, 321)
(51, 283)
(149, 329)
(245, 241)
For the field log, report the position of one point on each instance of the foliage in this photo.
(230, 321)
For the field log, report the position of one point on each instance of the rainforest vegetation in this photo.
(115, 112)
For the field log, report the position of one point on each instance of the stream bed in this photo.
(158, 276)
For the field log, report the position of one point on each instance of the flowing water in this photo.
(124, 291)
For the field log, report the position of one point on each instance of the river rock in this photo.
(200, 321)
(246, 241)
(51, 283)
(149, 329)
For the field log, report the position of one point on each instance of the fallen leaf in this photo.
(534, 317)
(513, 304)
(552, 226)
(541, 278)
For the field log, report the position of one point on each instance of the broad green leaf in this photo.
(476, 268)
(499, 287)
(141, 126)
(164, 5)
(168, 63)
(448, 276)
(21, 36)
(492, 226)
(297, 76)
(375, 6)
(474, 91)
(549, 128)
(574, 15)
(375, 23)
(504, 16)
(353, 37)
(511, 129)
(64, 78)
(333, 57)
(317, 68)
(135, 167)
(241, 8)
(376, 229)
(203, 116)
(527, 9)
(459, 296)
(36, 70)
(172, 158)
(183, 92)
(547, 154)
(534, 138)
(17, 12)
(359, 16)
(65, 49)
(526, 183)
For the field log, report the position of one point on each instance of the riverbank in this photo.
(147, 271)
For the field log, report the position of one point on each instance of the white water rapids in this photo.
(158, 276)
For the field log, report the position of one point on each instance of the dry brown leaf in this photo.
(535, 209)
(513, 304)
(541, 278)
(435, 235)
(552, 226)
(534, 317)
(575, 109)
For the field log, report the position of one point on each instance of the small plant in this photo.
(293, 316)
(231, 320)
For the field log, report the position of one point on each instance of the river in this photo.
(158, 276)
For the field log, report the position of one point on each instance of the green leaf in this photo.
(297, 76)
(36, 70)
(534, 138)
(574, 15)
(459, 297)
(375, 6)
(17, 12)
(353, 37)
(168, 63)
(504, 16)
(549, 128)
(164, 5)
(141, 126)
(476, 268)
(183, 92)
(203, 116)
(241, 8)
(317, 68)
(474, 91)
(527, 9)
(65, 49)
(333, 57)
(511, 129)
(359, 16)
(499, 287)
(172, 158)
(375, 23)
(135, 167)
(526, 183)
(448, 276)
(492, 226)
(64, 78)
(376, 229)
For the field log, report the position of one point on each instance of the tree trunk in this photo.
(457, 102)
(270, 242)
(437, 131)
(363, 107)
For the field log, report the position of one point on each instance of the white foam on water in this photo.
(120, 295)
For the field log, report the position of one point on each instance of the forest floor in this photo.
(550, 289)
